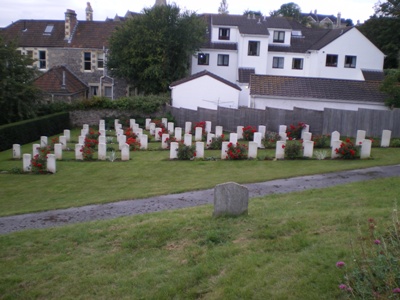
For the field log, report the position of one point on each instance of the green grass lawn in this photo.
(286, 248)
(150, 173)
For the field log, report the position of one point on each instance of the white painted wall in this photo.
(287, 69)
(288, 35)
(259, 63)
(315, 104)
(205, 92)
(233, 37)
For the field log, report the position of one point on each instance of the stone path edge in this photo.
(88, 213)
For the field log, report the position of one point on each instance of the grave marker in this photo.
(230, 199)
(262, 129)
(280, 149)
(147, 125)
(16, 151)
(51, 163)
(239, 131)
(164, 144)
(178, 134)
(208, 126)
(125, 152)
(360, 137)
(282, 128)
(187, 140)
(58, 151)
(335, 145)
(43, 141)
(224, 150)
(67, 134)
(173, 150)
(171, 127)
(218, 131)
(308, 148)
(386, 135)
(253, 148)
(199, 149)
(35, 149)
(258, 139)
(366, 149)
(26, 162)
(188, 127)
(78, 152)
(63, 142)
(335, 136)
(144, 141)
(233, 138)
(102, 151)
(198, 134)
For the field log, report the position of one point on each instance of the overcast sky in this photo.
(14, 10)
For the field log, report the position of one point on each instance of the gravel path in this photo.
(87, 213)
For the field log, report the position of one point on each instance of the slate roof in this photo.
(244, 74)
(317, 88)
(205, 73)
(30, 33)
(51, 82)
(373, 75)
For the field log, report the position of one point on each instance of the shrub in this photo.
(133, 143)
(321, 141)
(202, 125)
(375, 270)
(248, 132)
(293, 149)
(294, 132)
(348, 150)
(169, 140)
(270, 139)
(39, 161)
(236, 151)
(216, 143)
(395, 143)
(186, 152)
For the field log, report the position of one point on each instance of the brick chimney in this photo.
(89, 12)
(70, 23)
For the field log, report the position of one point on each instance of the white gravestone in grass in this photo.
(308, 148)
(147, 124)
(210, 136)
(335, 136)
(102, 132)
(199, 149)
(304, 130)
(43, 141)
(132, 122)
(224, 150)
(58, 151)
(253, 148)
(164, 143)
(187, 140)
(171, 127)
(208, 126)
(282, 128)
(125, 152)
(233, 138)
(218, 131)
(102, 125)
(116, 122)
(51, 163)
(35, 149)
(78, 152)
(178, 134)
(188, 127)
(360, 137)
(173, 150)
(152, 128)
(239, 131)
(258, 139)
(63, 142)
(262, 129)
(102, 151)
(306, 136)
(102, 139)
(16, 151)
(67, 134)
(335, 146)
(121, 141)
(198, 134)
(386, 135)
(144, 141)
(81, 139)
(165, 122)
(282, 136)
(280, 149)
(26, 162)
(157, 134)
(366, 149)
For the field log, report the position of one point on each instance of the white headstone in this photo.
(132, 122)
(218, 131)
(119, 132)
(173, 150)
(86, 127)
(144, 141)
(386, 135)
(81, 139)
(125, 152)
(102, 133)
(208, 126)
(84, 132)
(187, 140)
(67, 134)
(35, 149)
(258, 139)
(360, 137)
(239, 131)
(51, 163)
(102, 125)
(121, 141)
(335, 136)
(78, 152)
(26, 162)
(102, 151)
(147, 124)
(63, 142)
(164, 144)
(157, 136)
(253, 148)
(280, 149)
(199, 149)
(335, 145)
(116, 122)
(188, 127)
(224, 150)
(139, 131)
(119, 126)
(178, 134)
(198, 134)
(165, 122)
(308, 148)
(283, 136)
(304, 130)
(282, 128)
(135, 128)
(58, 151)
(102, 139)
(233, 138)
(16, 151)
(262, 129)
(171, 127)
(209, 138)
(43, 141)
(152, 128)
(366, 149)
(306, 136)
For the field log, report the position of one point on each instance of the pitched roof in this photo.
(373, 75)
(205, 73)
(245, 24)
(52, 82)
(317, 88)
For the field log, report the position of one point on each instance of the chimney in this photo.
(89, 12)
(70, 22)
(63, 81)
(338, 21)
(315, 12)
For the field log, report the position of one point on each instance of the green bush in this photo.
(395, 143)
(30, 130)
(293, 149)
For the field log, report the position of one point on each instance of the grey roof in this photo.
(373, 75)
(246, 25)
(244, 74)
(318, 88)
(205, 73)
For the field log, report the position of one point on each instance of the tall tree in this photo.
(153, 49)
(391, 86)
(18, 95)
(291, 10)
(223, 7)
(391, 8)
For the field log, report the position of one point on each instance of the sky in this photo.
(14, 10)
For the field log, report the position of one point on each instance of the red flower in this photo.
(283, 146)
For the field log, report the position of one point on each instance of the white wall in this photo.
(233, 37)
(259, 63)
(262, 102)
(205, 92)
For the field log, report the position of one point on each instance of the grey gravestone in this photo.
(230, 199)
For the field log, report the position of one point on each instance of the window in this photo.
(100, 60)
(29, 53)
(203, 59)
(42, 59)
(297, 64)
(331, 60)
(87, 61)
(277, 62)
(254, 48)
(108, 91)
(350, 61)
(93, 90)
(224, 34)
(48, 29)
(279, 36)
(223, 60)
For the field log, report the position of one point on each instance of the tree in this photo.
(390, 8)
(252, 12)
(391, 86)
(18, 95)
(291, 10)
(223, 7)
(153, 49)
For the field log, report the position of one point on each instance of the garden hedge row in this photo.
(30, 130)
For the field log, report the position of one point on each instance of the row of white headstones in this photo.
(253, 146)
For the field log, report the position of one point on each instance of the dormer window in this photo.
(224, 34)
(279, 36)
(48, 29)
(297, 34)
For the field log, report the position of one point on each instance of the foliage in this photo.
(294, 132)
(395, 143)
(320, 154)
(18, 95)
(151, 50)
(391, 86)
(170, 140)
(216, 142)
(390, 8)
(321, 141)
(290, 10)
(375, 271)
(129, 133)
(202, 125)
(90, 143)
(39, 161)
(270, 139)
(248, 132)
(186, 152)
(348, 150)
(133, 143)
(293, 149)
(236, 151)
(223, 7)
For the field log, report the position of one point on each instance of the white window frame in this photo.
(278, 62)
(254, 48)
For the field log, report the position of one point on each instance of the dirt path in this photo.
(175, 201)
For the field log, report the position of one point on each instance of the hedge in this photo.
(30, 130)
